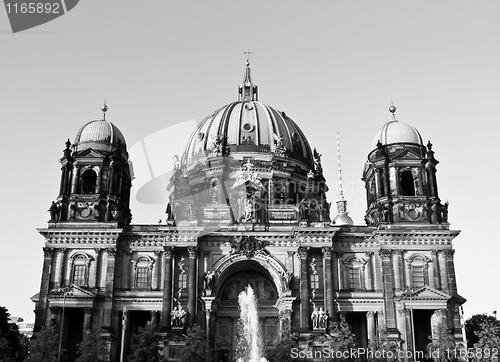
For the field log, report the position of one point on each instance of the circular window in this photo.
(248, 106)
(248, 127)
(200, 136)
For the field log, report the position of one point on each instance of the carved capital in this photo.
(370, 314)
(302, 252)
(326, 252)
(397, 252)
(157, 253)
(192, 251)
(168, 251)
(285, 314)
(369, 254)
(47, 252)
(111, 252)
(384, 253)
(449, 254)
(434, 252)
(440, 312)
(403, 312)
(290, 253)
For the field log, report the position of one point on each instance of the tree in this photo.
(93, 348)
(197, 348)
(44, 346)
(488, 345)
(474, 324)
(344, 341)
(384, 348)
(443, 348)
(147, 346)
(12, 342)
(281, 351)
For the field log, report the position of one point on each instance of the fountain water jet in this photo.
(249, 322)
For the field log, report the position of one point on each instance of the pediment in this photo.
(407, 155)
(72, 292)
(90, 153)
(426, 293)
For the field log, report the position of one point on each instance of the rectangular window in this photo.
(182, 281)
(79, 272)
(314, 281)
(354, 277)
(418, 276)
(142, 277)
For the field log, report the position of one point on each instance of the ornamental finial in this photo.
(393, 110)
(104, 109)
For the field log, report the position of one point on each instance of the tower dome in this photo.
(249, 127)
(396, 132)
(99, 135)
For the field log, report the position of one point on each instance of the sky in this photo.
(332, 66)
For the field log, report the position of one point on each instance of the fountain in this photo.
(250, 343)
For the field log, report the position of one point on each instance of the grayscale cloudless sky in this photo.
(330, 65)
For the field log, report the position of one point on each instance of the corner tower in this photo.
(95, 179)
(400, 178)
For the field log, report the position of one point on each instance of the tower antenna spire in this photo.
(248, 52)
(341, 191)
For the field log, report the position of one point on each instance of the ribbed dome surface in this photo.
(248, 126)
(397, 132)
(99, 132)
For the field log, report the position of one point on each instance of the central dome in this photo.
(249, 128)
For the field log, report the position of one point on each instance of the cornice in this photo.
(75, 236)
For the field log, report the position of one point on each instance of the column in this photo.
(405, 328)
(397, 269)
(370, 326)
(98, 181)
(369, 271)
(388, 288)
(430, 272)
(41, 309)
(154, 319)
(108, 288)
(450, 269)
(438, 321)
(341, 271)
(208, 314)
(167, 288)
(407, 269)
(442, 271)
(155, 285)
(435, 270)
(381, 319)
(328, 283)
(193, 258)
(377, 276)
(87, 319)
(304, 288)
(335, 270)
(74, 182)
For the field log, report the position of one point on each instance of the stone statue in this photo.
(168, 211)
(322, 318)
(314, 318)
(209, 279)
(178, 317)
(444, 212)
(54, 212)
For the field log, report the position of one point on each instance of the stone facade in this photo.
(248, 207)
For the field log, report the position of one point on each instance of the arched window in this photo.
(89, 182)
(418, 268)
(355, 268)
(80, 264)
(143, 266)
(407, 183)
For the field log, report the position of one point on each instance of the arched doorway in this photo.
(233, 281)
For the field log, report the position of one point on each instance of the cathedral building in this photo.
(248, 207)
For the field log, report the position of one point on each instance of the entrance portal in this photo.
(227, 329)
